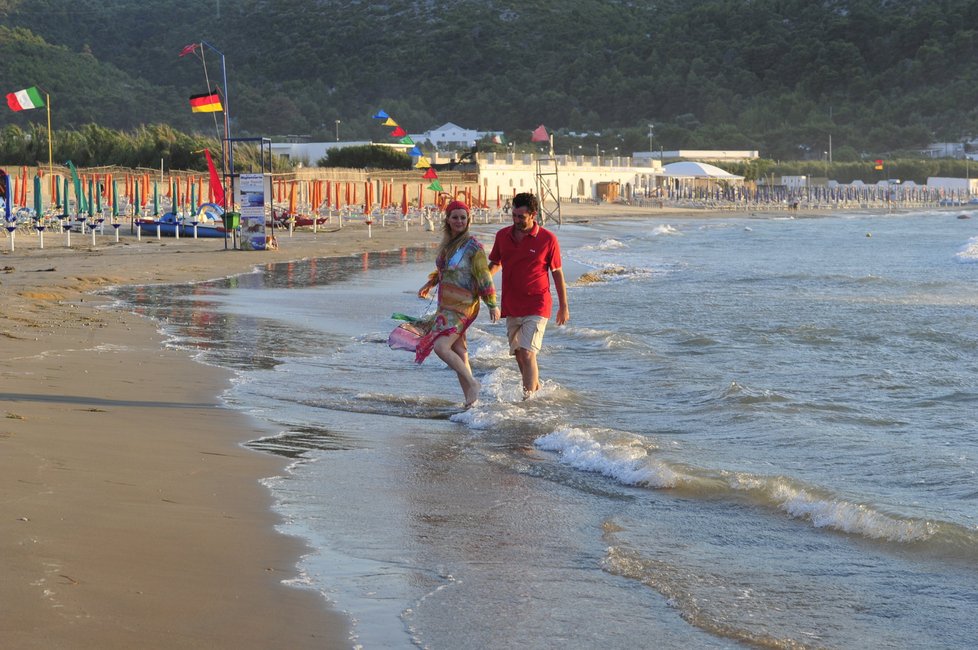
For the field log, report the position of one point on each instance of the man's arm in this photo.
(494, 267)
(563, 312)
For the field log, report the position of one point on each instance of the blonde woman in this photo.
(462, 277)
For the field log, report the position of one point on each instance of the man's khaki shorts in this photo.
(525, 332)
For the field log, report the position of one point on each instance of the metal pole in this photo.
(50, 143)
(228, 150)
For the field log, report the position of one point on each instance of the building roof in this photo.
(689, 169)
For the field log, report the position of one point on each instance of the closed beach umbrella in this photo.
(79, 197)
(65, 204)
(135, 188)
(38, 204)
(57, 190)
(91, 197)
(115, 201)
(23, 188)
(156, 199)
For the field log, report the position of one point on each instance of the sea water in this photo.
(752, 432)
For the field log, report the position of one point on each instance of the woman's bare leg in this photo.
(446, 349)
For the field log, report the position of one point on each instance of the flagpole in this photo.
(47, 100)
(228, 162)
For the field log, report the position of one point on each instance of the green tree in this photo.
(366, 157)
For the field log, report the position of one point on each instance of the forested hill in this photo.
(778, 75)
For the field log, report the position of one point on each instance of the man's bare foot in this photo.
(529, 392)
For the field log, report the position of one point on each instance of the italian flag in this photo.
(24, 99)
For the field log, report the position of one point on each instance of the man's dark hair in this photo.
(528, 201)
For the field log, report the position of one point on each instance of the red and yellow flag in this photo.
(207, 103)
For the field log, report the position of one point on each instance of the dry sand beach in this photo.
(130, 515)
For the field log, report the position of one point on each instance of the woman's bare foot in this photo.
(472, 393)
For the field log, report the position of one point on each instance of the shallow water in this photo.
(752, 432)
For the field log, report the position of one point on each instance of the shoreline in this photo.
(132, 513)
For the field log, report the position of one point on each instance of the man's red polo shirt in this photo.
(526, 268)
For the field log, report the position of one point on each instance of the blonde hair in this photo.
(451, 242)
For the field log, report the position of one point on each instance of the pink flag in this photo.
(540, 134)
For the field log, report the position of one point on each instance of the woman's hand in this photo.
(494, 314)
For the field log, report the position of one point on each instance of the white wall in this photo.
(308, 153)
(957, 184)
(576, 176)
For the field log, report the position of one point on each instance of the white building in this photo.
(309, 153)
(949, 184)
(944, 150)
(452, 136)
(578, 178)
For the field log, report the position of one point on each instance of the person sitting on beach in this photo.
(526, 252)
(462, 277)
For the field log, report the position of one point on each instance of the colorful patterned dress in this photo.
(462, 281)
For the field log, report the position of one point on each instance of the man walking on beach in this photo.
(526, 252)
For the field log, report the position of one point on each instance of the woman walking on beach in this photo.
(462, 277)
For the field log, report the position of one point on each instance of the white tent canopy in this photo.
(689, 169)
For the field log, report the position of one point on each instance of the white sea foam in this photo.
(624, 458)
(665, 229)
(970, 251)
(627, 459)
(487, 345)
(605, 245)
(826, 511)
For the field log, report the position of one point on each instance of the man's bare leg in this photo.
(527, 361)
